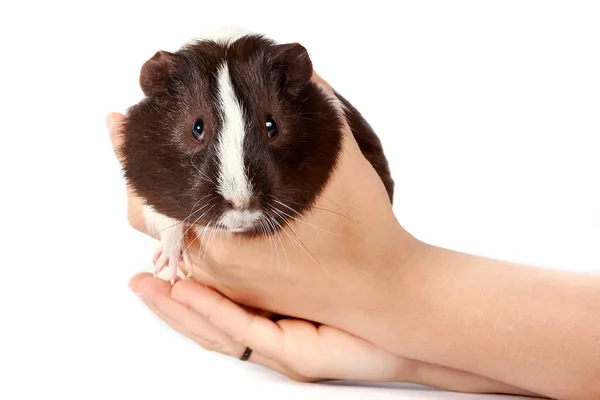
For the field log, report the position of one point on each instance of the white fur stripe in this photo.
(233, 183)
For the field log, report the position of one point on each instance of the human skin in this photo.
(365, 276)
(297, 349)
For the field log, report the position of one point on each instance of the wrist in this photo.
(376, 292)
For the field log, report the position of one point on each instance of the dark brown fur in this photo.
(176, 174)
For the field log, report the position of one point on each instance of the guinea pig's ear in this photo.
(295, 65)
(157, 71)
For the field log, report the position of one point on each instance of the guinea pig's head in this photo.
(231, 134)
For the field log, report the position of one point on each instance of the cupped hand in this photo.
(298, 349)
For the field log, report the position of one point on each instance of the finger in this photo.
(155, 294)
(135, 281)
(135, 213)
(113, 123)
(317, 79)
(134, 203)
(258, 333)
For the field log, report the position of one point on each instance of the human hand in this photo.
(298, 349)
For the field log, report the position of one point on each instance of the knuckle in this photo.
(241, 336)
(210, 312)
(209, 345)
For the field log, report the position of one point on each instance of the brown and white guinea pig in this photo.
(233, 134)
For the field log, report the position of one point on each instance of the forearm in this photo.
(530, 327)
(437, 376)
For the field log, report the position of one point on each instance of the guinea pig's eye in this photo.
(198, 130)
(271, 126)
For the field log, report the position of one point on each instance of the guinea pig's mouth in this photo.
(238, 221)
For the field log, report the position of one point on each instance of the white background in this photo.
(489, 112)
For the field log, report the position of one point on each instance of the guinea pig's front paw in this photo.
(170, 256)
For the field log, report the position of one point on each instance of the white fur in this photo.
(233, 184)
(170, 233)
(157, 222)
(239, 221)
(223, 34)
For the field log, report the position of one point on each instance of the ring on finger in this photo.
(246, 354)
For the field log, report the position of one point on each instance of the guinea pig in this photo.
(233, 134)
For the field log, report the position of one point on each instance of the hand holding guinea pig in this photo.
(265, 184)
(262, 179)
(271, 188)
(296, 348)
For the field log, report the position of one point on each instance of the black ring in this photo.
(246, 354)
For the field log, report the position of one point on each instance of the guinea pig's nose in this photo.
(237, 204)
(245, 204)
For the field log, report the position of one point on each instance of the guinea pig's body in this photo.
(233, 134)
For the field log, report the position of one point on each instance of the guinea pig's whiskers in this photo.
(263, 228)
(157, 234)
(204, 176)
(332, 202)
(200, 209)
(286, 206)
(200, 236)
(192, 225)
(197, 219)
(221, 239)
(196, 203)
(331, 211)
(211, 240)
(211, 236)
(321, 196)
(337, 213)
(202, 243)
(307, 119)
(201, 216)
(300, 243)
(282, 213)
(270, 221)
(306, 221)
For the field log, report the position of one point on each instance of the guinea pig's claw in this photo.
(173, 261)
(160, 261)
(163, 258)
(188, 266)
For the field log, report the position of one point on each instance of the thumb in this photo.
(113, 123)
